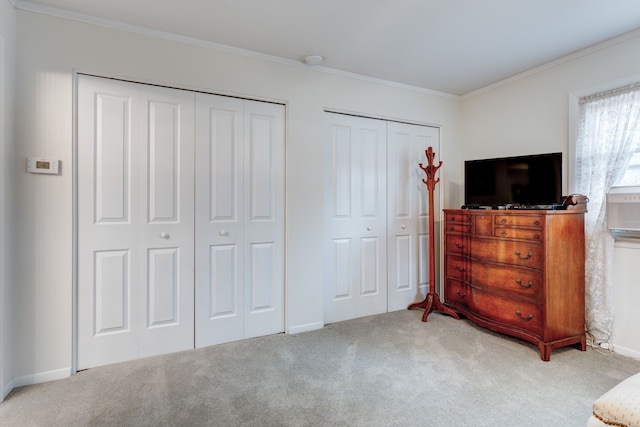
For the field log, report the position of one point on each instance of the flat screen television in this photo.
(533, 180)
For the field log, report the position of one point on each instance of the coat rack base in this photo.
(432, 303)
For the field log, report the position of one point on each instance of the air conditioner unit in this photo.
(623, 211)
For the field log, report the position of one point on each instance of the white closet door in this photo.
(135, 221)
(264, 210)
(408, 226)
(355, 217)
(219, 220)
(239, 219)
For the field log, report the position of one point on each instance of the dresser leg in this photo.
(545, 351)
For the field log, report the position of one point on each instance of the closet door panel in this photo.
(355, 217)
(162, 297)
(163, 175)
(239, 219)
(112, 292)
(135, 221)
(219, 220)
(223, 297)
(111, 154)
(165, 221)
(408, 212)
(264, 218)
(108, 326)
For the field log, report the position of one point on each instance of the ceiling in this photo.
(449, 46)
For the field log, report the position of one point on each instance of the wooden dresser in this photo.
(519, 272)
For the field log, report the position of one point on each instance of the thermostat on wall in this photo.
(43, 165)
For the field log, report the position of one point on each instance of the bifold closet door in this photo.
(408, 222)
(376, 215)
(180, 238)
(239, 219)
(355, 217)
(135, 221)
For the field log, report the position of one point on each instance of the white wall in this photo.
(530, 114)
(7, 59)
(626, 298)
(49, 48)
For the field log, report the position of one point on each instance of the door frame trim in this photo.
(74, 224)
(381, 117)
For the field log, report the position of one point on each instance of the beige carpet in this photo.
(386, 370)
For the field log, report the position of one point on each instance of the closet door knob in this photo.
(164, 235)
(223, 232)
(368, 228)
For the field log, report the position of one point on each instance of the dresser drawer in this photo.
(518, 233)
(457, 267)
(507, 311)
(457, 244)
(455, 227)
(457, 217)
(534, 221)
(456, 292)
(513, 252)
(484, 225)
(514, 280)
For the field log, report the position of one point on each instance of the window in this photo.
(608, 140)
(631, 176)
(607, 154)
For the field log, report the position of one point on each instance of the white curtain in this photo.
(607, 137)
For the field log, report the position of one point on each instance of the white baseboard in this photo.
(305, 328)
(7, 389)
(624, 351)
(41, 377)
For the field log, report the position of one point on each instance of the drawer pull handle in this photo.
(536, 223)
(503, 234)
(453, 218)
(527, 286)
(529, 317)
(460, 269)
(460, 295)
(525, 257)
(459, 245)
(536, 236)
(504, 221)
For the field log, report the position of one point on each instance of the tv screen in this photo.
(524, 180)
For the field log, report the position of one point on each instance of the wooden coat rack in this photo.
(432, 301)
